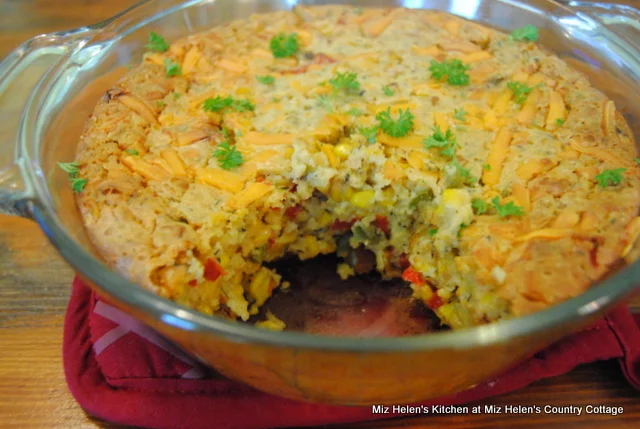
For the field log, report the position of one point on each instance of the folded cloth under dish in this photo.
(124, 372)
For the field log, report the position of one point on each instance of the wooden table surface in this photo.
(34, 289)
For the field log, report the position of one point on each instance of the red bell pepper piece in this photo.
(382, 222)
(412, 276)
(293, 212)
(434, 302)
(341, 225)
(212, 270)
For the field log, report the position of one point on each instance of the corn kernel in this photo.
(335, 193)
(288, 238)
(343, 150)
(362, 199)
(273, 217)
(388, 197)
(218, 218)
(272, 323)
(261, 285)
(325, 219)
(288, 152)
(444, 293)
(261, 236)
(424, 293)
(243, 90)
(453, 196)
(447, 311)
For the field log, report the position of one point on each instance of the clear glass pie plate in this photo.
(50, 84)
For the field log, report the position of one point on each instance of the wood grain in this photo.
(34, 289)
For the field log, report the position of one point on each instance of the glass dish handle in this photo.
(621, 19)
(20, 73)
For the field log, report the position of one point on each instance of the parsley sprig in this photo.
(460, 114)
(267, 79)
(171, 68)
(527, 33)
(369, 133)
(463, 173)
(388, 91)
(156, 43)
(454, 71)
(228, 156)
(347, 82)
(73, 170)
(479, 206)
(220, 103)
(505, 210)
(446, 141)
(520, 90)
(326, 102)
(284, 45)
(396, 127)
(610, 177)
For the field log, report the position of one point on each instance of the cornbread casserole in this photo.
(476, 165)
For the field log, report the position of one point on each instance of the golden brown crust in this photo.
(162, 211)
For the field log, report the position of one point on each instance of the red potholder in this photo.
(124, 372)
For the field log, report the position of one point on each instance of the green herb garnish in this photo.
(348, 82)
(487, 167)
(355, 112)
(479, 206)
(454, 71)
(172, 69)
(176, 95)
(388, 91)
(369, 133)
(132, 152)
(509, 209)
(326, 102)
(445, 141)
(73, 169)
(610, 177)
(267, 79)
(433, 231)
(228, 156)
(284, 45)
(243, 105)
(559, 121)
(520, 90)
(464, 173)
(395, 127)
(157, 43)
(527, 33)
(78, 184)
(219, 103)
(460, 114)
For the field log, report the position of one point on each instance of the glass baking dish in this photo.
(50, 84)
